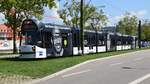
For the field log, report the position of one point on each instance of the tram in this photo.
(43, 40)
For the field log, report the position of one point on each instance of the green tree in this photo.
(128, 24)
(97, 21)
(71, 14)
(145, 30)
(17, 10)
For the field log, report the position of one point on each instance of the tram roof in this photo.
(48, 25)
(52, 26)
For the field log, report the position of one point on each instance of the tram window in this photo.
(124, 42)
(76, 40)
(85, 43)
(130, 42)
(47, 40)
(113, 42)
(31, 37)
(89, 39)
(99, 42)
(85, 37)
(102, 42)
(85, 40)
(118, 42)
(92, 39)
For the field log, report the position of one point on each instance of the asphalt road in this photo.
(133, 68)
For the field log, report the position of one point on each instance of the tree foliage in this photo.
(71, 14)
(145, 30)
(128, 24)
(97, 21)
(22, 9)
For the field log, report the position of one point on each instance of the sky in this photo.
(114, 9)
(1, 18)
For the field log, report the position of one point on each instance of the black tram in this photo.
(44, 40)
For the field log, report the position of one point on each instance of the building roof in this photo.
(4, 28)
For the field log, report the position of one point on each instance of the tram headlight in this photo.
(33, 48)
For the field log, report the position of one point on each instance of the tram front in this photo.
(30, 41)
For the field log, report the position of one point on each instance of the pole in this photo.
(139, 34)
(14, 35)
(97, 41)
(13, 12)
(81, 28)
(20, 35)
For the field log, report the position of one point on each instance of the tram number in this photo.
(40, 53)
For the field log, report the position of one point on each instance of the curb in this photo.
(78, 65)
(9, 56)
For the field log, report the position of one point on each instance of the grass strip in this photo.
(43, 67)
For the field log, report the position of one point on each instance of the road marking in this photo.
(140, 79)
(76, 73)
(138, 59)
(116, 64)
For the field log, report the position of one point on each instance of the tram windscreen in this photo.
(31, 37)
(30, 32)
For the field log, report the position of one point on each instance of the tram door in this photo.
(111, 42)
(108, 42)
(134, 43)
(67, 43)
(47, 42)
